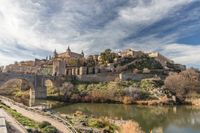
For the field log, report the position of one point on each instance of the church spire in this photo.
(68, 49)
(55, 53)
(82, 53)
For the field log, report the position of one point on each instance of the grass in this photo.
(82, 120)
(20, 118)
(43, 127)
(47, 128)
(102, 123)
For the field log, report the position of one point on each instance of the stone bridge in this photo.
(37, 82)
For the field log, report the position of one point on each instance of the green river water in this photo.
(178, 119)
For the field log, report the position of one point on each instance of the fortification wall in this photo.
(131, 76)
(100, 77)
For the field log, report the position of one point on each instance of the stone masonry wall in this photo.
(100, 77)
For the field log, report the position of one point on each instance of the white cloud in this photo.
(151, 12)
(182, 53)
(30, 28)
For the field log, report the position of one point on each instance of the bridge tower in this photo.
(40, 90)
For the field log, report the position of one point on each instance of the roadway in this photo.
(14, 126)
(63, 128)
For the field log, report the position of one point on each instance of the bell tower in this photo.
(55, 53)
(82, 53)
(68, 50)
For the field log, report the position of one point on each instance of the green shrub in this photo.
(49, 129)
(145, 62)
(46, 127)
(145, 95)
(95, 123)
(20, 118)
(102, 123)
(44, 124)
(147, 85)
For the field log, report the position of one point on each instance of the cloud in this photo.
(34, 28)
(183, 53)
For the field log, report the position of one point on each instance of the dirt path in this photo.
(15, 127)
(38, 117)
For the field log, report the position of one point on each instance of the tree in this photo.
(107, 56)
(90, 61)
(179, 84)
(66, 90)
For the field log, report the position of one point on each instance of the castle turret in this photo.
(55, 53)
(68, 49)
(50, 57)
(82, 53)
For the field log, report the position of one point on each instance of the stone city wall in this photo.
(138, 77)
(100, 77)
(81, 70)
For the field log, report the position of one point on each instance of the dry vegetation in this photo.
(131, 127)
(183, 83)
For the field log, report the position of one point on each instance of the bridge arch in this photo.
(48, 83)
(51, 87)
(18, 87)
(38, 83)
(35, 82)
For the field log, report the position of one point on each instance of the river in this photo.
(166, 119)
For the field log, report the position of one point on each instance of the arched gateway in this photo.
(36, 82)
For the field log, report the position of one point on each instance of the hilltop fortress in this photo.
(107, 66)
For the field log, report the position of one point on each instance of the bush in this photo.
(131, 127)
(102, 123)
(75, 98)
(46, 127)
(145, 62)
(136, 93)
(96, 123)
(127, 100)
(180, 84)
(108, 91)
(49, 129)
(44, 124)
(147, 84)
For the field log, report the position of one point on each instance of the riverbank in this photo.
(98, 113)
(109, 92)
(91, 124)
(150, 91)
(26, 124)
(35, 116)
(80, 121)
(83, 123)
(13, 126)
(167, 119)
(192, 100)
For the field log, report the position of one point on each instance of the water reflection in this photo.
(45, 104)
(180, 119)
(160, 119)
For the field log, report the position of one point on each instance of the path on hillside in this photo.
(38, 117)
(15, 127)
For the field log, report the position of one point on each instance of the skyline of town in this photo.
(99, 66)
(33, 29)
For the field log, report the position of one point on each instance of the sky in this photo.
(35, 28)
